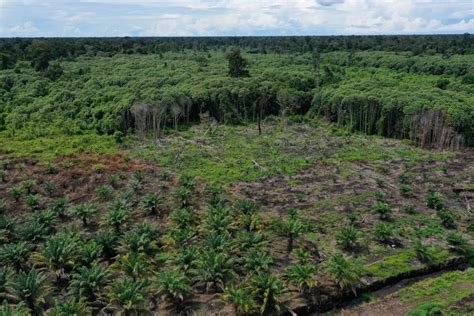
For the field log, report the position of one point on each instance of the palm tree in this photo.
(33, 231)
(258, 261)
(347, 237)
(69, 306)
(303, 276)
(130, 295)
(89, 252)
(184, 217)
(423, 252)
(241, 298)
(383, 232)
(215, 268)
(88, 282)
(151, 203)
(267, 291)
(117, 219)
(186, 259)
(58, 255)
(31, 288)
(15, 255)
(246, 207)
(138, 242)
(383, 209)
(59, 206)
(346, 274)
(108, 242)
(14, 310)
(291, 229)
(5, 275)
(84, 212)
(172, 285)
(133, 265)
(16, 192)
(182, 194)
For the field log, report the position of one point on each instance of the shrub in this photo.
(456, 239)
(379, 195)
(51, 168)
(49, 187)
(435, 200)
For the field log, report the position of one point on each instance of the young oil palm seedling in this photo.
(108, 242)
(435, 200)
(258, 261)
(139, 176)
(33, 231)
(49, 187)
(3, 175)
(302, 276)
(347, 237)
(291, 229)
(152, 203)
(249, 239)
(16, 192)
(406, 190)
(184, 217)
(246, 207)
(130, 296)
(188, 182)
(14, 310)
(59, 206)
(6, 274)
(88, 252)
(139, 241)
(218, 220)
(447, 218)
(186, 259)
(116, 218)
(104, 192)
(302, 256)
(383, 232)
(69, 306)
(241, 298)
(250, 222)
(33, 201)
(172, 285)
(133, 265)
(183, 196)
(88, 282)
(218, 242)
(31, 288)
(47, 218)
(383, 209)
(28, 186)
(84, 213)
(267, 292)
(58, 256)
(423, 252)
(3, 205)
(346, 274)
(7, 228)
(215, 269)
(15, 255)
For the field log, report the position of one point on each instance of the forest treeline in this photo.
(109, 86)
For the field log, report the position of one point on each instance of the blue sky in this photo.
(36, 18)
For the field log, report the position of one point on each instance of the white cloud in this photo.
(25, 29)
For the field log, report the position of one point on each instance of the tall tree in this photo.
(237, 64)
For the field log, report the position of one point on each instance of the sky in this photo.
(68, 18)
